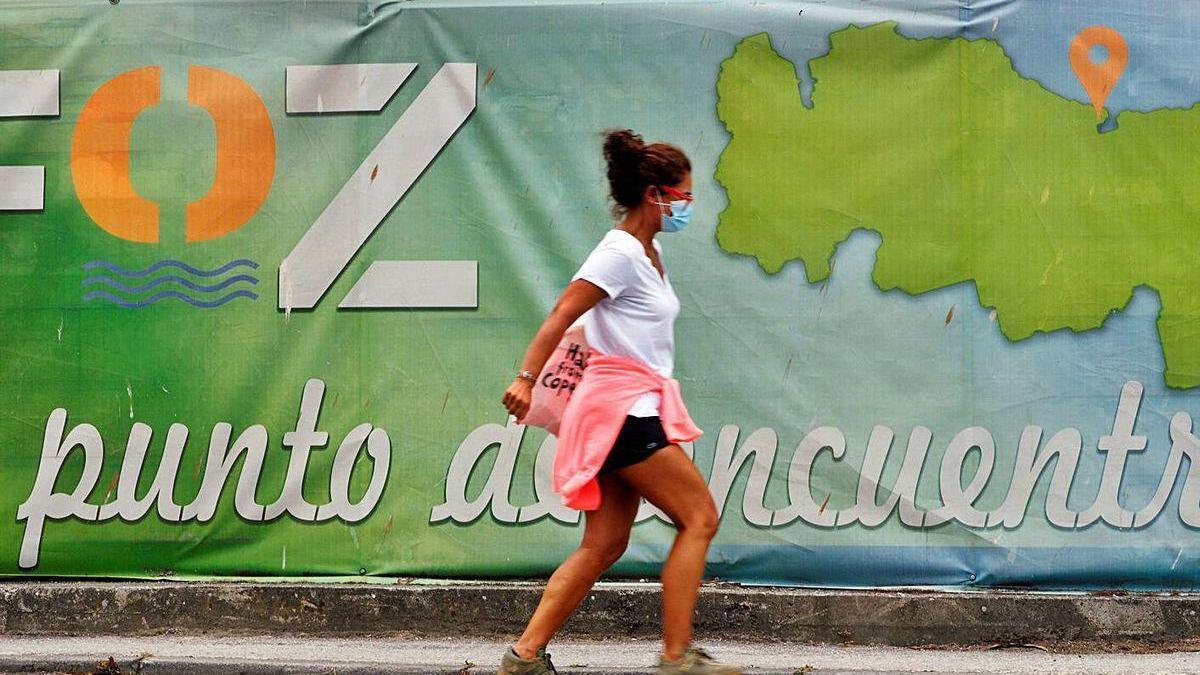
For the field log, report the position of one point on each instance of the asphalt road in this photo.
(193, 655)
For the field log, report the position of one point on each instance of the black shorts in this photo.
(639, 438)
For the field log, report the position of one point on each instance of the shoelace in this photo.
(700, 654)
(546, 660)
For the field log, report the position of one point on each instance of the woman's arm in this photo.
(579, 296)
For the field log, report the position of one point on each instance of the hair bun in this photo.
(623, 148)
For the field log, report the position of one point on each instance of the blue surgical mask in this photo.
(681, 214)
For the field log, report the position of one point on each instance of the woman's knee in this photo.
(607, 551)
(703, 521)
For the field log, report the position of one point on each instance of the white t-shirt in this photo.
(637, 319)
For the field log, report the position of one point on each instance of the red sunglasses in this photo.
(677, 194)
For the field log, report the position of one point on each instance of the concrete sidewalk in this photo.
(625, 610)
(375, 656)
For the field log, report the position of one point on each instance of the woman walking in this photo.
(619, 436)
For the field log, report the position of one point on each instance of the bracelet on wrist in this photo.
(527, 375)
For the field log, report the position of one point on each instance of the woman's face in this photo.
(661, 198)
(685, 185)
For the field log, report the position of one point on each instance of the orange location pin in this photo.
(1098, 78)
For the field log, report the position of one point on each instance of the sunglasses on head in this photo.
(675, 194)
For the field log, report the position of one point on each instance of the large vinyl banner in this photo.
(268, 267)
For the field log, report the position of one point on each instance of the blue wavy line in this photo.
(170, 263)
(158, 281)
(134, 304)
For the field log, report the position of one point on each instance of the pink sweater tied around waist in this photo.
(594, 416)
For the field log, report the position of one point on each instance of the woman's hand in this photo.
(518, 396)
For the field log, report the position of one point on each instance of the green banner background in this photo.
(520, 188)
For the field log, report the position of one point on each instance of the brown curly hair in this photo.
(633, 166)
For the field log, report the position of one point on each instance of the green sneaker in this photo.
(696, 661)
(512, 664)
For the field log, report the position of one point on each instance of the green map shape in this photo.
(968, 171)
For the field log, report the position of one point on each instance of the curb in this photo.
(891, 617)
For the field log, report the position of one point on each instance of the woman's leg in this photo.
(669, 480)
(605, 535)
